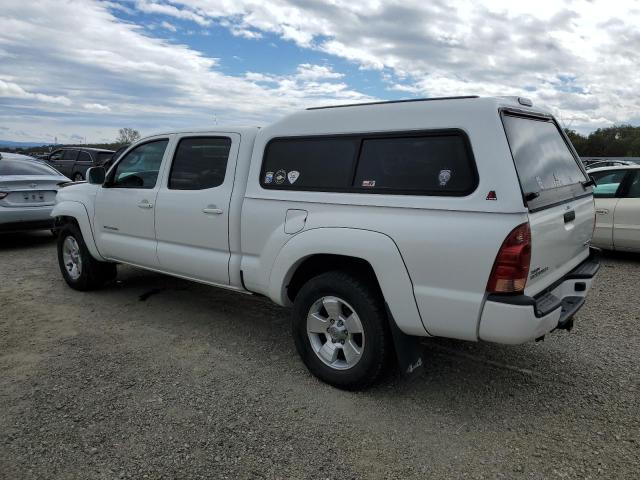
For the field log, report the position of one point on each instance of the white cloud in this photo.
(168, 26)
(65, 63)
(494, 47)
(13, 90)
(96, 107)
(79, 61)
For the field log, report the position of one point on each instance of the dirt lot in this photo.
(155, 377)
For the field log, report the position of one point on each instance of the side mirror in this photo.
(96, 175)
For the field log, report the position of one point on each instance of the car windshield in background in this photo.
(20, 167)
(547, 170)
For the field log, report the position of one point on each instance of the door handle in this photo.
(602, 211)
(212, 211)
(569, 216)
(145, 204)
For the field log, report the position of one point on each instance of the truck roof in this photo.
(323, 119)
(206, 130)
(447, 112)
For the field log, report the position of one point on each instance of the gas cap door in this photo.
(295, 220)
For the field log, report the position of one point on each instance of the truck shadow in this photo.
(459, 377)
(621, 256)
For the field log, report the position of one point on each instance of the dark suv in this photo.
(73, 162)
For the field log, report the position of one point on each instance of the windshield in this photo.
(547, 170)
(22, 167)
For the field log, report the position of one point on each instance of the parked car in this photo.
(617, 197)
(74, 161)
(607, 163)
(27, 193)
(468, 218)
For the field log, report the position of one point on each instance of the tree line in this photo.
(616, 141)
(125, 136)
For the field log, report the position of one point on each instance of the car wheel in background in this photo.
(80, 270)
(77, 177)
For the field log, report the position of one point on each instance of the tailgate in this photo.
(555, 190)
(560, 238)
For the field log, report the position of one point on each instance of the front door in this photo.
(606, 195)
(125, 205)
(192, 215)
(626, 228)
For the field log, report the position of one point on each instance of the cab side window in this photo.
(634, 187)
(608, 183)
(140, 167)
(199, 163)
(84, 157)
(57, 155)
(69, 155)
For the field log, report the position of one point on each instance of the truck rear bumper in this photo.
(514, 319)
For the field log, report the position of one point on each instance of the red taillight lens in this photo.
(511, 268)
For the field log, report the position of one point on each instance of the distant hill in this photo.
(11, 144)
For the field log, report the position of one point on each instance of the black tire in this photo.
(78, 177)
(93, 273)
(367, 302)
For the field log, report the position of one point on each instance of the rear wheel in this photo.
(341, 330)
(77, 177)
(80, 270)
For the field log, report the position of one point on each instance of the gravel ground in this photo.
(155, 377)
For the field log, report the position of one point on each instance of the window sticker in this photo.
(443, 177)
(268, 177)
(281, 176)
(292, 176)
(368, 183)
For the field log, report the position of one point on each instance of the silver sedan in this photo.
(28, 190)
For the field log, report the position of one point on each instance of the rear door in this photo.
(626, 225)
(606, 194)
(561, 209)
(192, 214)
(83, 163)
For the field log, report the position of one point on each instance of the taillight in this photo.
(511, 268)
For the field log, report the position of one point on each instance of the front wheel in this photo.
(79, 269)
(341, 330)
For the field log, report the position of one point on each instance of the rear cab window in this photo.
(548, 171)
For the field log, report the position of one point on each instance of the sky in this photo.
(82, 69)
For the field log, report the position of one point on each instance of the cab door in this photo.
(626, 225)
(125, 205)
(192, 214)
(606, 195)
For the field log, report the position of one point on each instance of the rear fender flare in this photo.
(376, 248)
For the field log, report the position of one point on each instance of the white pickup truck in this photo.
(465, 217)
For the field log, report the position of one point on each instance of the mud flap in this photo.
(408, 349)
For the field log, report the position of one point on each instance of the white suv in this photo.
(467, 218)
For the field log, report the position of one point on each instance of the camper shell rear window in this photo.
(548, 171)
